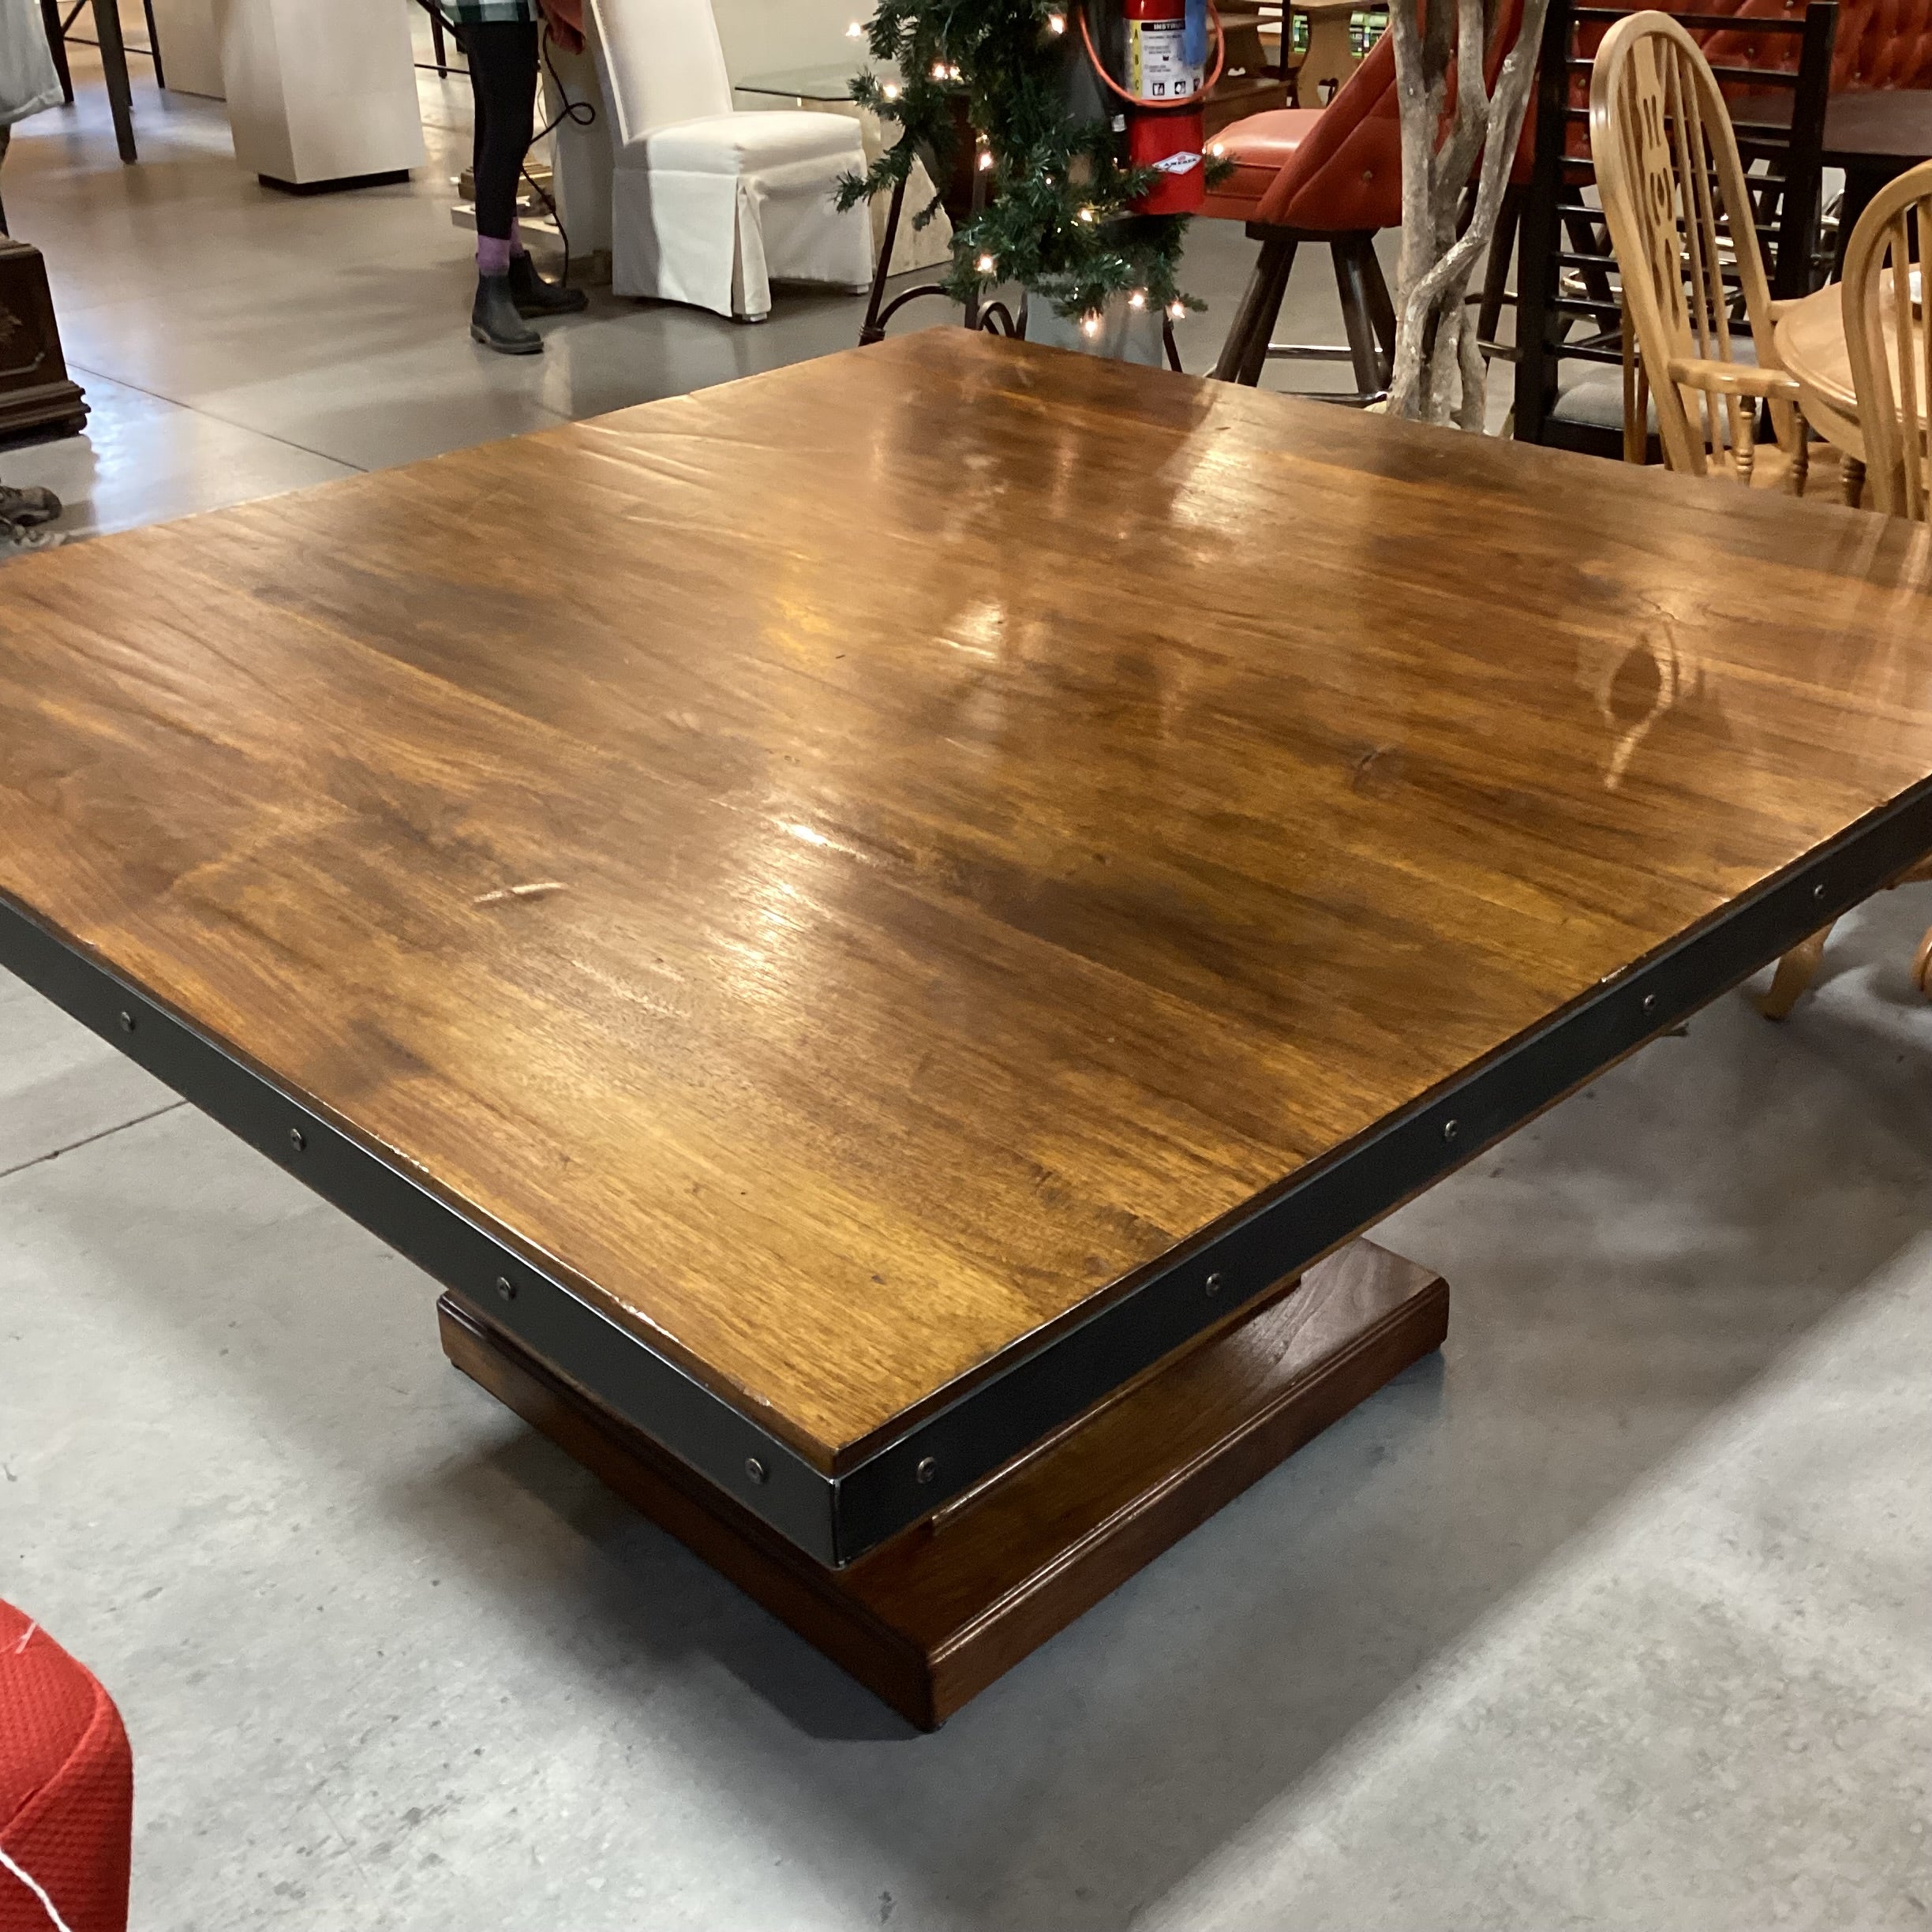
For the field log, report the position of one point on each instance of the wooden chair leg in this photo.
(1245, 351)
(1381, 307)
(436, 42)
(154, 44)
(1357, 317)
(1502, 252)
(1795, 972)
(1636, 397)
(57, 46)
(1921, 966)
(1851, 480)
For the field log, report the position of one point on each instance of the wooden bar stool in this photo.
(1330, 175)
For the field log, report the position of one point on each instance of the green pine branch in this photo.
(1057, 219)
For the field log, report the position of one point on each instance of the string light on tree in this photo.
(1058, 219)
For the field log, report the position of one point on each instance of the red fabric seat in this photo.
(66, 1789)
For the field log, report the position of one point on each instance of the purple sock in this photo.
(516, 237)
(493, 255)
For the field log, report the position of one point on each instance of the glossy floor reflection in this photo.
(234, 342)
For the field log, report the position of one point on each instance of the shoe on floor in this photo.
(495, 322)
(18, 538)
(29, 505)
(533, 296)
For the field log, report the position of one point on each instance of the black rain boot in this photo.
(29, 505)
(533, 296)
(494, 321)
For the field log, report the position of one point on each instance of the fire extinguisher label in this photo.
(1156, 70)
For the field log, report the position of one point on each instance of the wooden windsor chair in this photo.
(1568, 347)
(1683, 224)
(1888, 342)
(1681, 218)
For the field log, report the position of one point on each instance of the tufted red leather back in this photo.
(1881, 43)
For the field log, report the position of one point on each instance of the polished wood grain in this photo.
(849, 867)
(930, 1619)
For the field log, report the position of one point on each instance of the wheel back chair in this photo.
(1681, 219)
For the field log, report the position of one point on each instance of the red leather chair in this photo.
(66, 1790)
(1331, 175)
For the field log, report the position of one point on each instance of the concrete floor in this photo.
(234, 342)
(1618, 1613)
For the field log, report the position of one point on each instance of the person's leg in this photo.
(503, 67)
(503, 78)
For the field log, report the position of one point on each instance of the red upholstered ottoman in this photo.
(66, 1789)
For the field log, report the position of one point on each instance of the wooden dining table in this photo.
(886, 930)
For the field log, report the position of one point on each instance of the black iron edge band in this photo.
(1325, 1204)
(612, 1364)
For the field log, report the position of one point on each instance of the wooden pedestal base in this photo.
(929, 1620)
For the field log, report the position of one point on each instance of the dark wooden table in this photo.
(874, 924)
(1874, 137)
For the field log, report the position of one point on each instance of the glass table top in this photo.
(829, 83)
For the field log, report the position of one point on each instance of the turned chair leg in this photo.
(1851, 480)
(1795, 972)
(1921, 965)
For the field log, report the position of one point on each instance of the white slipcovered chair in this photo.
(707, 206)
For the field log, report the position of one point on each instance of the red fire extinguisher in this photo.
(1166, 128)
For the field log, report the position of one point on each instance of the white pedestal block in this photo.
(319, 93)
(190, 47)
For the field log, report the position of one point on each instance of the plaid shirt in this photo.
(476, 12)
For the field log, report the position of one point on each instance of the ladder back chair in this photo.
(1777, 78)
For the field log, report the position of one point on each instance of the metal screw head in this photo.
(928, 1468)
(1213, 1284)
(127, 1023)
(1649, 1002)
(298, 1139)
(1818, 891)
(1451, 1128)
(756, 1470)
(506, 1287)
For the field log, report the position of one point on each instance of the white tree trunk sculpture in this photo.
(1439, 373)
